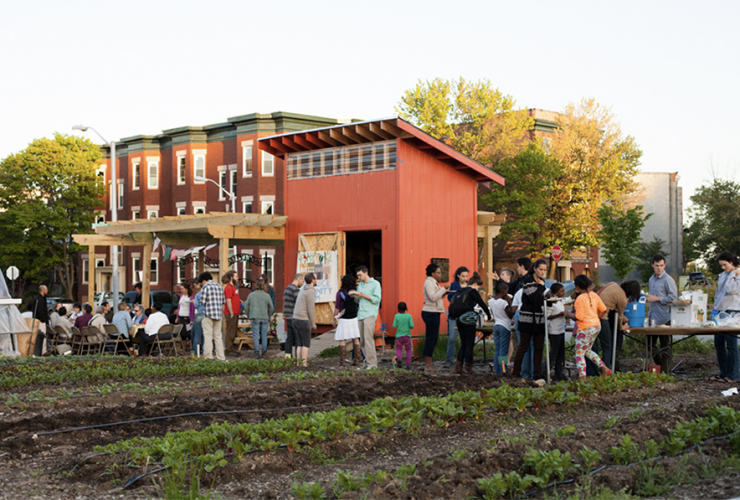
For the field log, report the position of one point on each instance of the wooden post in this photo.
(488, 259)
(201, 261)
(91, 276)
(223, 256)
(147, 275)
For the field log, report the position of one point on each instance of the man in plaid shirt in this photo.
(212, 299)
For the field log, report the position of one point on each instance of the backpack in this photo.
(458, 305)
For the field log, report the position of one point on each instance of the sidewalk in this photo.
(323, 341)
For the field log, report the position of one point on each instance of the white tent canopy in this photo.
(11, 321)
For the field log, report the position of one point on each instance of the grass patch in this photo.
(331, 352)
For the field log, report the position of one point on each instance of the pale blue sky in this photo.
(668, 69)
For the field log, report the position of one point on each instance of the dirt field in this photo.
(438, 462)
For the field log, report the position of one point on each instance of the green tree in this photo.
(473, 117)
(620, 235)
(48, 192)
(715, 221)
(527, 198)
(645, 252)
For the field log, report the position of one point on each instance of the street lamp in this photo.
(113, 210)
(228, 193)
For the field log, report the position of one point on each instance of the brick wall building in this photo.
(156, 178)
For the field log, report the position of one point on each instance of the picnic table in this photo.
(674, 331)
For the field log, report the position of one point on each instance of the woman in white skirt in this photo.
(345, 319)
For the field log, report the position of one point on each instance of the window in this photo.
(99, 262)
(85, 270)
(181, 211)
(181, 169)
(247, 161)
(136, 270)
(153, 175)
(224, 186)
(267, 164)
(100, 219)
(267, 207)
(154, 274)
(247, 267)
(267, 268)
(101, 173)
(247, 207)
(182, 207)
(152, 214)
(178, 273)
(232, 174)
(200, 210)
(342, 160)
(547, 144)
(120, 194)
(135, 214)
(136, 175)
(199, 207)
(199, 166)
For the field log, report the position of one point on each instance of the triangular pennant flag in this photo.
(211, 246)
(157, 241)
(167, 252)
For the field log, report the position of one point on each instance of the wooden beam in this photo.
(201, 261)
(142, 238)
(375, 129)
(392, 129)
(186, 239)
(102, 240)
(146, 267)
(290, 143)
(304, 143)
(182, 223)
(328, 139)
(257, 243)
(265, 146)
(223, 257)
(365, 132)
(348, 132)
(91, 276)
(337, 135)
(277, 144)
(247, 232)
(221, 232)
(487, 260)
(314, 139)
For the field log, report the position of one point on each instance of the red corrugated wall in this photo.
(424, 208)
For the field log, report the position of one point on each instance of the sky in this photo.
(668, 69)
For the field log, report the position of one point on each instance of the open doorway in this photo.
(365, 248)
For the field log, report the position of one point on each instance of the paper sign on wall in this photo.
(323, 264)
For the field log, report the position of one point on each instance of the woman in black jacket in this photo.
(532, 318)
(466, 323)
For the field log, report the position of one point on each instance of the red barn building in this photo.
(380, 193)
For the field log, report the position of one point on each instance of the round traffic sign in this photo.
(557, 253)
(12, 273)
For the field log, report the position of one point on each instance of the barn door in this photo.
(323, 242)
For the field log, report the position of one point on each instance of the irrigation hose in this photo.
(165, 417)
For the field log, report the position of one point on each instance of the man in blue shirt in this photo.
(368, 297)
(663, 292)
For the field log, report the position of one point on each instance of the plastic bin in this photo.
(635, 313)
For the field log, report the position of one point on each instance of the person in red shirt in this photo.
(232, 309)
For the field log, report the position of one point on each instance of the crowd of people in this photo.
(209, 313)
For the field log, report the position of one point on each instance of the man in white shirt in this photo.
(528, 360)
(155, 321)
(556, 331)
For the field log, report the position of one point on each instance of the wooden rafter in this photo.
(303, 142)
(376, 129)
(337, 135)
(354, 136)
(328, 139)
(314, 139)
(289, 142)
(365, 132)
(277, 144)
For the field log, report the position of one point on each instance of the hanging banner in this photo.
(324, 265)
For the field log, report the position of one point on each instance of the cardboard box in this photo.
(693, 314)
(681, 315)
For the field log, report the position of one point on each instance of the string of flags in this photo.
(187, 256)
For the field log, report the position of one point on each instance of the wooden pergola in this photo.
(224, 228)
(489, 225)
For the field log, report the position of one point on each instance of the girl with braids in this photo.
(588, 310)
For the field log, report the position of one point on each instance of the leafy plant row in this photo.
(55, 394)
(541, 467)
(215, 441)
(82, 371)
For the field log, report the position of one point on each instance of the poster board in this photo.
(329, 242)
(323, 264)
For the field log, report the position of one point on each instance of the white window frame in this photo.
(222, 178)
(149, 214)
(271, 256)
(232, 180)
(136, 175)
(178, 274)
(267, 201)
(85, 270)
(182, 207)
(102, 170)
(199, 153)
(135, 213)
(120, 194)
(199, 207)
(151, 162)
(99, 262)
(244, 206)
(154, 269)
(100, 218)
(136, 263)
(267, 158)
(247, 159)
(182, 170)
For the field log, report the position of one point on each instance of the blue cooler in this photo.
(635, 313)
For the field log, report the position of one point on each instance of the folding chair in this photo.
(177, 337)
(90, 341)
(76, 341)
(164, 345)
(113, 338)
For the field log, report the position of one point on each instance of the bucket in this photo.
(635, 313)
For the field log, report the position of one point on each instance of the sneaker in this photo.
(370, 367)
(540, 383)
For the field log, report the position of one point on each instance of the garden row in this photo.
(211, 445)
(542, 469)
(124, 368)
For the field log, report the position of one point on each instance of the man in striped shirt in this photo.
(289, 296)
(212, 299)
